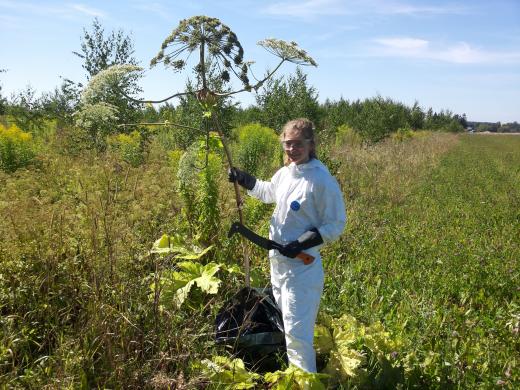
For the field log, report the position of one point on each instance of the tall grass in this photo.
(430, 251)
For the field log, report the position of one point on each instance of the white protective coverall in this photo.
(307, 196)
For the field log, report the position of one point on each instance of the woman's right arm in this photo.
(265, 190)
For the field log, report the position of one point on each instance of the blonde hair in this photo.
(307, 129)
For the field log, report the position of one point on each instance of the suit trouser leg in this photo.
(298, 297)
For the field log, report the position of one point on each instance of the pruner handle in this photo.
(305, 257)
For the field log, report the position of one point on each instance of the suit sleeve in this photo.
(265, 191)
(331, 210)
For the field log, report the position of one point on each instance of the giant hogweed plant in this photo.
(173, 285)
(96, 115)
(357, 354)
(218, 47)
(224, 373)
(352, 354)
(183, 276)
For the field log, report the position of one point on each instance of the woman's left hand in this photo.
(307, 240)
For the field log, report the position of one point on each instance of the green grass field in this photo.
(429, 259)
(439, 264)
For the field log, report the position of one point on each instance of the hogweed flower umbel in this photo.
(106, 80)
(287, 51)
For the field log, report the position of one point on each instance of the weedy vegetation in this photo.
(114, 259)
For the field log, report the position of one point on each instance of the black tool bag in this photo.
(251, 324)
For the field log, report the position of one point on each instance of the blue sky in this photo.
(458, 55)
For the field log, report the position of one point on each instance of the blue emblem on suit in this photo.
(295, 205)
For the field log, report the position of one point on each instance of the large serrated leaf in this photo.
(323, 341)
(170, 245)
(191, 274)
(208, 284)
(191, 268)
(295, 378)
(194, 255)
(182, 293)
(231, 374)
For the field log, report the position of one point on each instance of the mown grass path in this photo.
(440, 267)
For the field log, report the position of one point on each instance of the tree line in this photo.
(495, 127)
(279, 100)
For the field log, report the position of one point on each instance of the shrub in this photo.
(97, 120)
(128, 146)
(258, 150)
(379, 117)
(454, 127)
(26, 110)
(199, 177)
(403, 133)
(16, 148)
(174, 157)
(347, 136)
(282, 100)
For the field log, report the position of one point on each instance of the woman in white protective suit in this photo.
(309, 212)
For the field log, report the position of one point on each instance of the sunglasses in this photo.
(296, 144)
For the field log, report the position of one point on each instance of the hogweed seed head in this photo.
(288, 51)
(219, 44)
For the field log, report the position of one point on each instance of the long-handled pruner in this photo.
(263, 242)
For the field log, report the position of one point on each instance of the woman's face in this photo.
(296, 147)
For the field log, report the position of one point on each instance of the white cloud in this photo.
(156, 8)
(311, 8)
(334, 33)
(87, 10)
(66, 11)
(403, 8)
(307, 9)
(462, 53)
(405, 44)
(459, 53)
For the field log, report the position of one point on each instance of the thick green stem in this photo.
(202, 63)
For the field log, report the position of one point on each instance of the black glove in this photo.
(307, 240)
(243, 178)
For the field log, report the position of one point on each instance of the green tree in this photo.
(281, 100)
(25, 109)
(30, 111)
(444, 120)
(62, 102)
(461, 119)
(377, 117)
(417, 117)
(335, 114)
(510, 127)
(3, 101)
(100, 51)
(243, 116)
